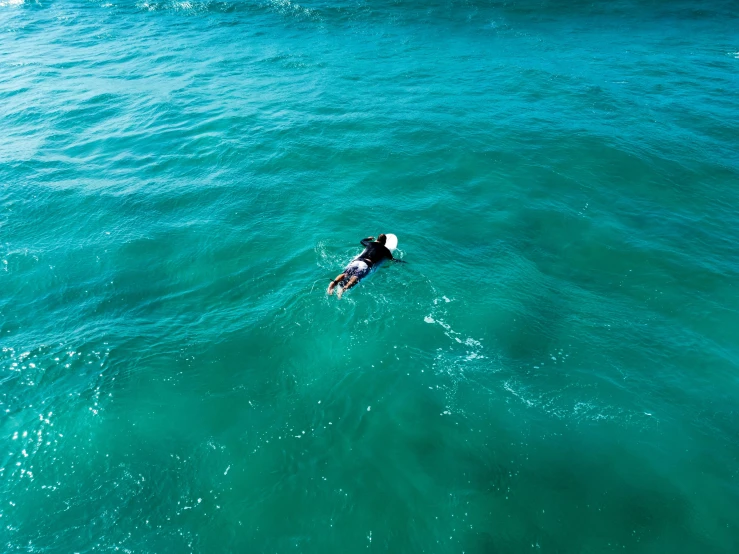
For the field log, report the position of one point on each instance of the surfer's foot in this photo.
(334, 283)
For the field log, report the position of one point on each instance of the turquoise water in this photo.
(555, 369)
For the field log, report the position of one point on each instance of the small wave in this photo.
(464, 354)
(286, 7)
(474, 344)
(183, 6)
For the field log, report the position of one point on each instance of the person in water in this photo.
(374, 254)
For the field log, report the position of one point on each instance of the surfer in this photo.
(374, 253)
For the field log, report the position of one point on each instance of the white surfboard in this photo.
(391, 243)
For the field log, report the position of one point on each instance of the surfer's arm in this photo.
(366, 242)
(395, 260)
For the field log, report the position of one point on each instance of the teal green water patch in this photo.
(554, 368)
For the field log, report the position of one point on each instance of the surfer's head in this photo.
(381, 239)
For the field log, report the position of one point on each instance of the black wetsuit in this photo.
(374, 253)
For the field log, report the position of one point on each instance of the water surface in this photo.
(554, 369)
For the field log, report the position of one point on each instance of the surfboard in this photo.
(391, 243)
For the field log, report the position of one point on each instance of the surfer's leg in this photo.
(335, 282)
(353, 280)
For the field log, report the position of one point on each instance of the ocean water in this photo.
(555, 368)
